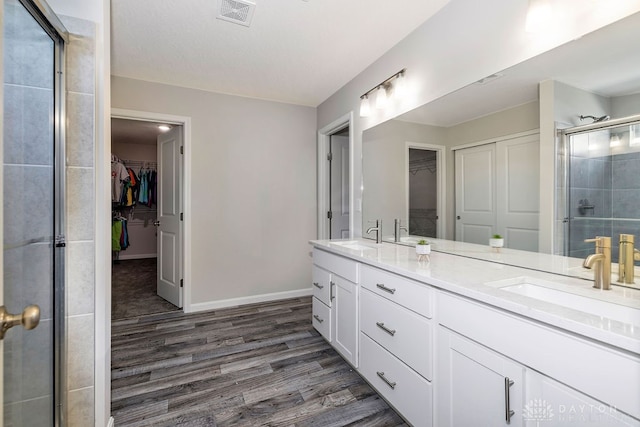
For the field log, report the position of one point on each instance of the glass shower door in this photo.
(603, 197)
(30, 223)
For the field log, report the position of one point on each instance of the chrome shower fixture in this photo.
(596, 119)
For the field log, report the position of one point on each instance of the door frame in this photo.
(441, 224)
(185, 122)
(324, 142)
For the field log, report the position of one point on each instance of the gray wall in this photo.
(252, 190)
(383, 168)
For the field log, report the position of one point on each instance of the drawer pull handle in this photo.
(318, 318)
(317, 285)
(391, 332)
(507, 404)
(391, 384)
(384, 288)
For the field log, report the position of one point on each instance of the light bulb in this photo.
(381, 98)
(365, 106)
(164, 128)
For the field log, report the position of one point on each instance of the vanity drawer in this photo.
(402, 332)
(413, 295)
(321, 283)
(404, 389)
(343, 267)
(321, 318)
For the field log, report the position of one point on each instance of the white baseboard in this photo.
(111, 422)
(234, 302)
(137, 256)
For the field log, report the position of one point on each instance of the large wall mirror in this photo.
(467, 165)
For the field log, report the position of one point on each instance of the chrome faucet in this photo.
(397, 226)
(626, 257)
(602, 261)
(377, 229)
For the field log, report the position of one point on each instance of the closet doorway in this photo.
(335, 178)
(147, 177)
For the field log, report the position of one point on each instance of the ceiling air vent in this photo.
(236, 11)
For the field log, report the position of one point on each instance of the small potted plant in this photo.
(423, 249)
(496, 241)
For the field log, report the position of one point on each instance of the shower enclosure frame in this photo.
(52, 25)
(565, 173)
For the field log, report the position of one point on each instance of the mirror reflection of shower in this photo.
(603, 184)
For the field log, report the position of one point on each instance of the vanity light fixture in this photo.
(382, 96)
(365, 106)
(164, 128)
(384, 91)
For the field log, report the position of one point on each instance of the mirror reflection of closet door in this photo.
(475, 186)
(497, 192)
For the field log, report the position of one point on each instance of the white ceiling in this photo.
(134, 131)
(295, 51)
(606, 62)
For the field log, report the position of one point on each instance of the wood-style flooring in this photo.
(255, 365)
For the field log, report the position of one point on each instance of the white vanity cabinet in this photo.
(490, 363)
(396, 342)
(335, 302)
(476, 386)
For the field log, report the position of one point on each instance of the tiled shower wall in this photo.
(611, 184)
(80, 211)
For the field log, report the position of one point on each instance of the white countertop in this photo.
(482, 281)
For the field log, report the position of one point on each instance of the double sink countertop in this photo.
(533, 285)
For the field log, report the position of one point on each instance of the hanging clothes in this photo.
(119, 234)
(119, 176)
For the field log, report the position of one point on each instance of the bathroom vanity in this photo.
(459, 341)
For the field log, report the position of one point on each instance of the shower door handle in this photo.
(29, 318)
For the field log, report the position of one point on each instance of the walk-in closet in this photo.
(134, 211)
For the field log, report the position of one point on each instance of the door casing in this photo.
(324, 204)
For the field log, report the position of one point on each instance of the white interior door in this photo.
(475, 183)
(518, 171)
(169, 201)
(339, 170)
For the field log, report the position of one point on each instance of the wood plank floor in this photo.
(255, 365)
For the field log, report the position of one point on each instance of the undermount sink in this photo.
(353, 244)
(541, 290)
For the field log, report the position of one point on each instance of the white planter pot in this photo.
(496, 243)
(423, 249)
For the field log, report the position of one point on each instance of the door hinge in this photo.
(329, 215)
(330, 156)
(182, 283)
(182, 149)
(181, 216)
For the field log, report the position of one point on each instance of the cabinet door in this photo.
(552, 404)
(345, 318)
(476, 386)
